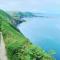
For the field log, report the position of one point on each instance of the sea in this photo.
(43, 31)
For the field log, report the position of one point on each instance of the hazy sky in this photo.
(49, 6)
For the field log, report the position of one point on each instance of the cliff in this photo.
(17, 45)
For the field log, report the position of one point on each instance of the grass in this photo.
(18, 46)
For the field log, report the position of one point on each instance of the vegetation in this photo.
(17, 45)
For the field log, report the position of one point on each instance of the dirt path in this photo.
(2, 48)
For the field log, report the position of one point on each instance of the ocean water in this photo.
(43, 32)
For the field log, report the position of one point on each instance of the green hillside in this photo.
(17, 45)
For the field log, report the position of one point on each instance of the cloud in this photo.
(31, 5)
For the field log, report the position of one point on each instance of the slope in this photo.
(17, 45)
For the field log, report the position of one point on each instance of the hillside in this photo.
(17, 45)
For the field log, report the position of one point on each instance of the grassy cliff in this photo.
(17, 45)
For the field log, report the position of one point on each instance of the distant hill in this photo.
(28, 14)
(17, 45)
(23, 14)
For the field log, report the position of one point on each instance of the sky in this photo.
(45, 6)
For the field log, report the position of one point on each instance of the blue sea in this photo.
(43, 32)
